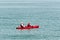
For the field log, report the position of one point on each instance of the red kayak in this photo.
(27, 27)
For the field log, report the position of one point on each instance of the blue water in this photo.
(44, 14)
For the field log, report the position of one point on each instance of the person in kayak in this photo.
(28, 25)
(21, 25)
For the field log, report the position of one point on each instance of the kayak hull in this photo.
(26, 27)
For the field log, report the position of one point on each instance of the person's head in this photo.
(28, 22)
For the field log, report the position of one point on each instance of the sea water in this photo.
(45, 14)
